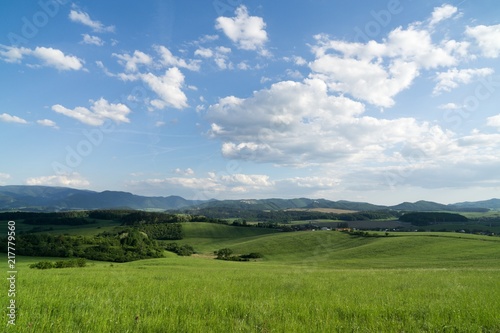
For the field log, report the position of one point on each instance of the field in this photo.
(322, 281)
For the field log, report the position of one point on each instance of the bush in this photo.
(42, 265)
(183, 250)
(224, 254)
(80, 262)
(253, 255)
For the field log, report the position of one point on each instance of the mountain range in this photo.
(47, 198)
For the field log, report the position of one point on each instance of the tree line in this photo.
(428, 218)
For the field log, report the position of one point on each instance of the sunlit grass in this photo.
(308, 282)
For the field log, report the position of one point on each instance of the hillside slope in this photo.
(337, 249)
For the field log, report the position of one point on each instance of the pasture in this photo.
(321, 281)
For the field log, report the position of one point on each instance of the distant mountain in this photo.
(46, 198)
(282, 204)
(421, 206)
(490, 204)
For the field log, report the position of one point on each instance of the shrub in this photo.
(253, 255)
(42, 265)
(183, 250)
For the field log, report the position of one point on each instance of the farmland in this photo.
(306, 282)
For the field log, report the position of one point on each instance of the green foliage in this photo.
(127, 246)
(182, 250)
(226, 254)
(42, 265)
(253, 255)
(223, 254)
(80, 262)
(428, 218)
(163, 231)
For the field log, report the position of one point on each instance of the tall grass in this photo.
(200, 295)
(307, 282)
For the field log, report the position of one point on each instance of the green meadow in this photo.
(322, 281)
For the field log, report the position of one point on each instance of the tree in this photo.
(224, 254)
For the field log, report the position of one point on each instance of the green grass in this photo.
(321, 281)
(84, 230)
(200, 295)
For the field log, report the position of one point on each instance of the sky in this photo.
(367, 100)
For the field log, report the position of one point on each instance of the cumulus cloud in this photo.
(7, 118)
(211, 186)
(72, 180)
(92, 40)
(487, 38)
(376, 72)
(494, 121)
(220, 56)
(4, 177)
(184, 172)
(84, 18)
(247, 32)
(444, 12)
(48, 56)
(452, 78)
(299, 123)
(168, 87)
(97, 114)
(169, 60)
(47, 123)
(450, 106)
(132, 62)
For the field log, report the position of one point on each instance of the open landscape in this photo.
(187, 166)
(312, 280)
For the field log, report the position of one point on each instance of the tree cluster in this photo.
(127, 246)
(428, 218)
(227, 254)
(182, 250)
(79, 262)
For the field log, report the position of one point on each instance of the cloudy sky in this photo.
(379, 101)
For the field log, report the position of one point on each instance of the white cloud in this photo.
(50, 57)
(211, 186)
(92, 40)
(453, 77)
(132, 62)
(98, 113)
(219, 54)
(47, 123)
(72, 180)
(247, 32)
(487, 38)
(168, 88)
(4, 177)
(84, 18)
(7, 118)
(450, 106)
(13, 54)
(377, 72)
(169, 60)
(442, 13)
(494, 121)
(184, 172)
(57, 59)
(294, 123)
(204, 52)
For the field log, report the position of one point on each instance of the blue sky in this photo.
(379, 101)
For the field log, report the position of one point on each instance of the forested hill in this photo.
(47, 198)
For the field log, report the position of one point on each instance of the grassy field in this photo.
(321, 281)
